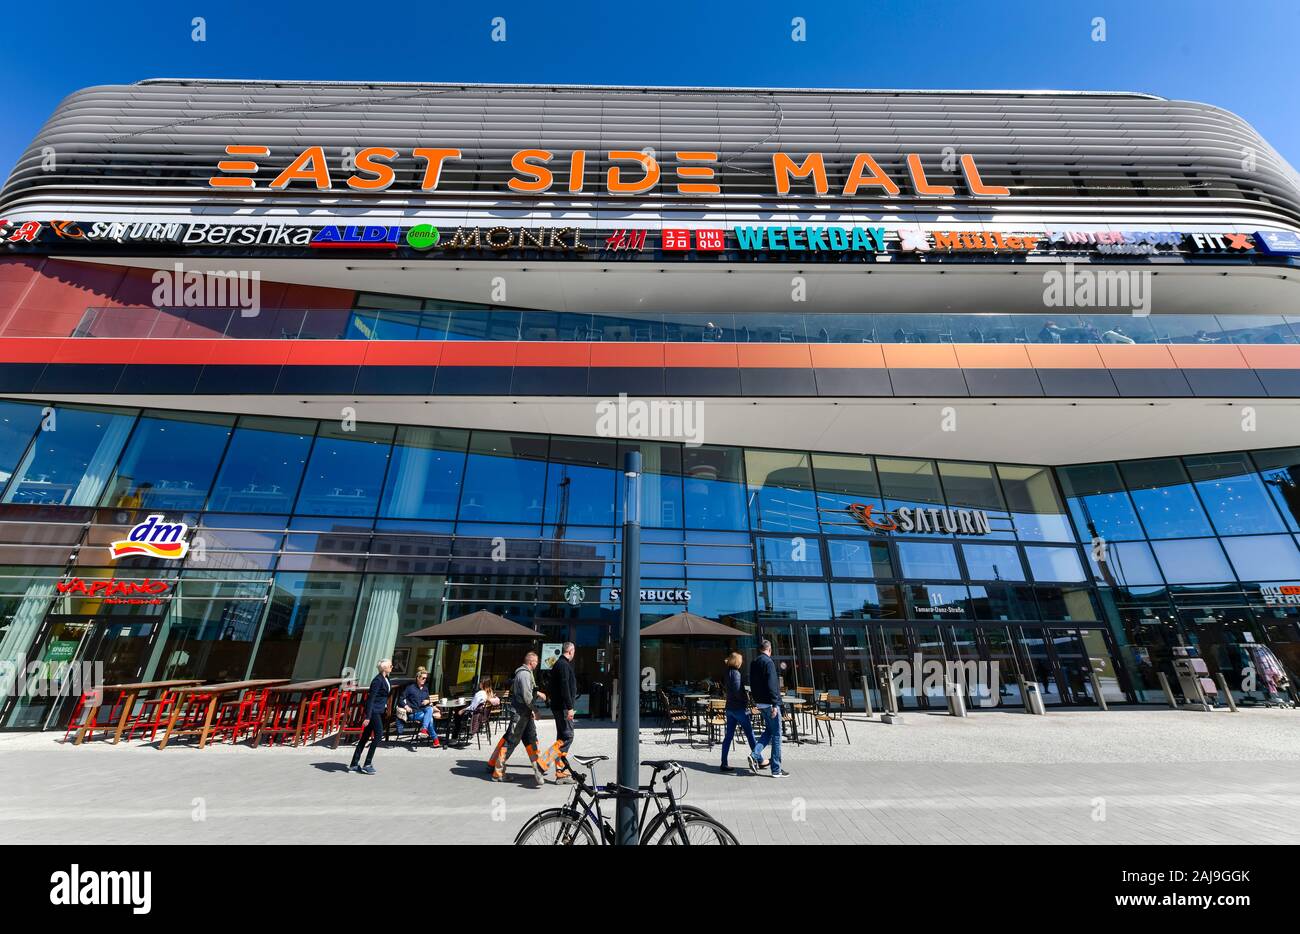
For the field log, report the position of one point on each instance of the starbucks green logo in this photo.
(423, 236)
(574, 595)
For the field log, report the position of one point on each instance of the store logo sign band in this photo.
(933, 520)
(653, 595)
(153, 538)
(115, 591)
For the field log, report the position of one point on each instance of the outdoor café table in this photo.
(284, 695)
(796, 704)
(693, 702)
(457, 710)
(130, 692)
(213, 693)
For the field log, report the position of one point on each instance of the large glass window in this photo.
(856, 558)
(843, 480)
(1099, 503)
(69, 462)
(1233, 494)
(505, 478)
(992, 562)
(1036, 509)
(169, 462)
(1264, 557)
(308, 623)
(661, 484)
(580, 481)
(1003, 601)
(209, 633)
(934, 560)
(715, 490)
(263, 466)
(18, 421)
(1280, 471)
(1124, 564)
(788, 556)
(971, 485)
(346, 470)
(424, 478)
(1054, 564)
(778, 600)
(937, 600)
(781, 491)
(1164, 498)
(1194, 561)
(866, 601)
(908, 482)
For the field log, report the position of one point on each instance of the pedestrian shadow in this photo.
(712, 768)
(330, 766)
(473, 768)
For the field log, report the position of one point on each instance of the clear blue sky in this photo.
(1241, 56)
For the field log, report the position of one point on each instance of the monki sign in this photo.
(631, 172)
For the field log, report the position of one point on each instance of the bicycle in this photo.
(580, 822)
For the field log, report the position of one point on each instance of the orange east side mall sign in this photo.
(631, 173)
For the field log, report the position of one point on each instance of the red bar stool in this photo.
(352, 714)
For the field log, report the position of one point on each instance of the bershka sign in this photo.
(630, 172)
(653, 595)
(811, 239)
(247, 235)
(933, 520)
(146, 591)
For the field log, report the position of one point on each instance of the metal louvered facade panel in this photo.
(149, 148)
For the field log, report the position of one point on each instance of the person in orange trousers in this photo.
(523, 722)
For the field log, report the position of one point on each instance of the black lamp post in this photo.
(629, 721)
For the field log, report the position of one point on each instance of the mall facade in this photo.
(289, 371)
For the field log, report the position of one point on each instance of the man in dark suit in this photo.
(765, 687)
(564, 697)
(376, 707)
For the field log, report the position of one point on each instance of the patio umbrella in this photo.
(690, 626)
(476, 626)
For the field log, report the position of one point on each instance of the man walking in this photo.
(765, 687)
(376, 705)
(564, 695)
(523, 694)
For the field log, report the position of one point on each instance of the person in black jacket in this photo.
(766, 688)
(564, 697)
(376, 706)
(737, 707)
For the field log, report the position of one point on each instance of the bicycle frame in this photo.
(588, 797)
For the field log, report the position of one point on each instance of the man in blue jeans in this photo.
(765, 687)
(420, 707)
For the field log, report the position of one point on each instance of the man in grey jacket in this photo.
(523, 694)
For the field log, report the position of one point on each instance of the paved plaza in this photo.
(1127, 776)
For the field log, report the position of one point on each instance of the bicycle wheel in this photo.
(558, 828)
(700, 830)
(660, 823)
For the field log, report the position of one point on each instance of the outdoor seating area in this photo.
(261, 712)
(696, 713)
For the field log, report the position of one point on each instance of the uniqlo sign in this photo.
(707, 240)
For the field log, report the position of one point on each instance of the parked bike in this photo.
(582, 822)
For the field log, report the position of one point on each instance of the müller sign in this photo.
(631, 172)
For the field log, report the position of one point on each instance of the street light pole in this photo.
(629, 720)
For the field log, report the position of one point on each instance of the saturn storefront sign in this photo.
(155, 537)
(933, 520)
(655, 595)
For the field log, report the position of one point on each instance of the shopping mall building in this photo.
(289, 371)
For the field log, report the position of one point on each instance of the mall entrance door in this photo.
(121, 644)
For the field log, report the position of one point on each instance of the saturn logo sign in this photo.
(863, 513)
(155, 538)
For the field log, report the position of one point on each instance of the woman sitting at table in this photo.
(419, 706)
(484, 695)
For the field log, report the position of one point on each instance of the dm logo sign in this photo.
(155, 538)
